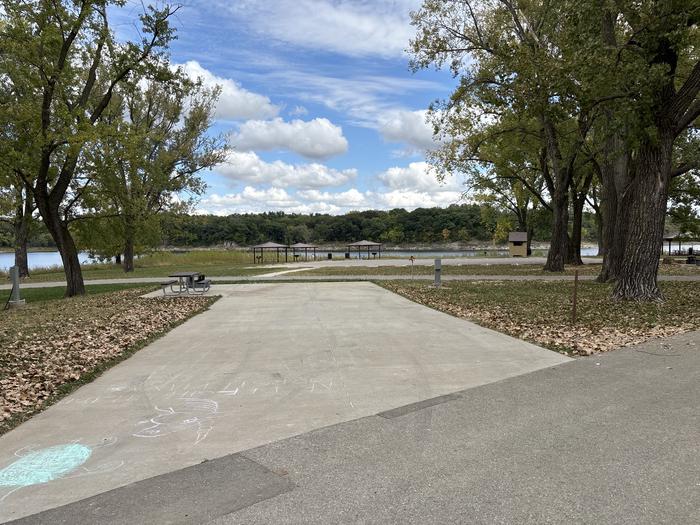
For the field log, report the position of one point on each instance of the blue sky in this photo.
(317, 102)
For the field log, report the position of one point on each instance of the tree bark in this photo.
(129, 255)
(575, 240)
(65, 245)
(647, 213)
(578, 201)
(128, 244)
(22, 222)
(560, 222)
(599, 230)
(615, 182)
(21, 257)
(558, 187)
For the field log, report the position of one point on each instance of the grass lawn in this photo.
(490, 269)
(34, 295)
(541, 312)
(51, 347)
(160, 264)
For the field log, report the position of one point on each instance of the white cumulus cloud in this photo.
(315, 139)
(407, 127)
(351, 198)
(235, 102)
(411, 199)
(247, 167)
(417, 176)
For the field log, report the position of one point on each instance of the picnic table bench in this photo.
(166, 284)
(187, 283)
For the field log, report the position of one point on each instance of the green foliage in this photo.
(424, 225)
(60, 67)
(503, 227)
(685, 204)
(150, 165)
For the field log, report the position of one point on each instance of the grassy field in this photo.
(491, 269)
(49, 348)
(160, 264)
(541, 313)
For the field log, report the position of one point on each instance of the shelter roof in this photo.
(364, 243)
(269, 245)
(517, 237)
(682, 237)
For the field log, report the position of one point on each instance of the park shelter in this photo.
(366, 246)
(517, 244)
(301, 247)
(680, 239)
(260, 249)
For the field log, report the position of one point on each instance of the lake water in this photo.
(38, 260)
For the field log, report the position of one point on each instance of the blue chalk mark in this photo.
(44, 465)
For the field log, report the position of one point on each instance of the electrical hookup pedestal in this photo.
(15, 300)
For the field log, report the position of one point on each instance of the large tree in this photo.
(648, 74)
(513, 80)
(65, 52)
(613, 81)
(152, 163)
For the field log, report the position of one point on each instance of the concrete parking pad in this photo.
(268, 361)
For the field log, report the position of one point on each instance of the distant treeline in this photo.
(457, 223)
(466, 223)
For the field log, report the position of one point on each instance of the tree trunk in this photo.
(647, 214)
(575, 241)
(128, 245)
(23, 217)
(129, 254)
(578, 201)
(66, 247)
(599, 230)
(21, 257)
(118, 259)
(558, 187)
(560, 222)
(615, 181)
(21, 237)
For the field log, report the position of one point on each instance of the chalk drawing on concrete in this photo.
(35, 465)
(44, 465)
(188, 414)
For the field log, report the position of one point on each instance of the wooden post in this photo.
(573, 309)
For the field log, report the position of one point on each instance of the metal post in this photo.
(15, 300)
(438, 271)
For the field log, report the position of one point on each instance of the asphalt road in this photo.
(613, 438)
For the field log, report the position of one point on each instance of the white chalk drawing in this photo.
(42, 465)
(187, 414)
